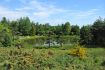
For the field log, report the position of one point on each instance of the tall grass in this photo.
(50, 59)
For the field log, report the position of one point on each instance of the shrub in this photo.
(8, 65)
(78, 51)
(5, 36)
(103, 63)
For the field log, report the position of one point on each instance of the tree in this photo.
(49, 38)
(37, 28)
(24, 26)
(98, 31)
(33, 29)
(4, 21)
(85, 35)
(58, 29)
(59, 38)
(5, 36)
(14, 27)
(67, 28)
(75, 30)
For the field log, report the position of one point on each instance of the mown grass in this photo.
(50, 59)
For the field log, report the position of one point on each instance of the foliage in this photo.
(89, 34)
(94, 34)
(75, 30)
(67, 28)
(78, 51)
(5, 36)
(4, 21)
(51, 59)
(43, 41)
(24, 26)
(33, 30)
(85, 35)
(14, 27)
(98, 31)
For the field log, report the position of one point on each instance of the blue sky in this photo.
(80, 12)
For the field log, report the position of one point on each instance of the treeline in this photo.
(93, 34)
(89, 35)
(25, 27)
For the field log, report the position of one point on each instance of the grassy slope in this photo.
(50, 59)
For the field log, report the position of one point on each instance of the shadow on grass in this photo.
(45, 47)
(94, 46)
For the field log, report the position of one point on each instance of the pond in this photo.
(53, 41)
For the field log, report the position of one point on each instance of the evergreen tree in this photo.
(98, 31)
(67, 28)
(75, 30)
(85, 35)
(24, 26)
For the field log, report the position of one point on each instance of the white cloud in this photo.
(10, 13)
(43, 12)
(82, 14)
(33, 9)
(40, 9)
(24, 9)
(88, 13)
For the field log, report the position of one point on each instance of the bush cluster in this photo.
(78, 51)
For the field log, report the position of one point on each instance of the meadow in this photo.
(32, 58)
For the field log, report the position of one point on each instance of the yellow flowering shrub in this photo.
(78, 51)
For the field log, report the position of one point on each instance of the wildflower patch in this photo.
(78, 51)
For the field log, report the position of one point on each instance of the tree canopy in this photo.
(89, 34)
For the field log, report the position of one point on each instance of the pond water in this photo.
(44, 41)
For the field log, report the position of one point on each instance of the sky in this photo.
(54, 12)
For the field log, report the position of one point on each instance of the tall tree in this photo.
(33, 29)
(75, 30)
(14, 27)
(98, 31)
(67, 28)
(58, 29)
(24, 26)
(37, 28)
(4, 21)
(85, 35)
